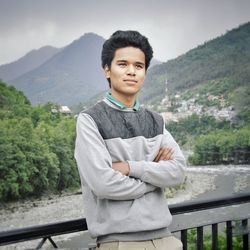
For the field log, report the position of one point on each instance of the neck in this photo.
(129, 101)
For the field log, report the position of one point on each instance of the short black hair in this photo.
(123, 39)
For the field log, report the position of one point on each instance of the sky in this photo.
(173, 27)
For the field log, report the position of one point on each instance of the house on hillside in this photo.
(65, 110)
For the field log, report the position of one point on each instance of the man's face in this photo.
(127, 72)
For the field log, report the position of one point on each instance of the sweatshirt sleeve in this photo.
(163, 173)
(95, 165)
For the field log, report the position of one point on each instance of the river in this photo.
(203, 182)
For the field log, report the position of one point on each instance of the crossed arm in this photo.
(164, 154)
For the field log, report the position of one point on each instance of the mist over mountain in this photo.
(72, 75)
(30, 61)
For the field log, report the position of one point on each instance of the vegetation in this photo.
(186, 130)
(36, 147)
(227, 55)
(223, 147)
(212, 141)
(222, 241)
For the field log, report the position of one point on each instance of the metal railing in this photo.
(46, 232)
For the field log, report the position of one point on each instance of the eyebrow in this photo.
(141, 63)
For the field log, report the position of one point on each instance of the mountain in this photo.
(71, 76)
(154, 62)
(30, 61)
(219, 67)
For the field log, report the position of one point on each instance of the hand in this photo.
(122, 167)
(165, 154)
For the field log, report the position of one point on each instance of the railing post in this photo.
(214, 236)
(41, 244)
(184, 238)
(52, 242)
(229, 235)
(245, 236)
(199, 238)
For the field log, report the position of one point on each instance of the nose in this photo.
(131, 70)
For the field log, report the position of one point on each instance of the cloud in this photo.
(173, 27)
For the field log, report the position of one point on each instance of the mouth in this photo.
(130, 81)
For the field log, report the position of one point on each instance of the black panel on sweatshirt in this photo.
(114, 123)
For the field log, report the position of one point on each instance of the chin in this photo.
(132, 89)
(131, 92)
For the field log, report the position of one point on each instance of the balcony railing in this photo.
(46, 232)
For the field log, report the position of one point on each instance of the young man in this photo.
(126, 157)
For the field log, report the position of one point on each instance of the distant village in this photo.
(181, 108)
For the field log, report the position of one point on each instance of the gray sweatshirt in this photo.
(119, 207)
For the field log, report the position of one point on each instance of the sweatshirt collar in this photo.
(120, 104)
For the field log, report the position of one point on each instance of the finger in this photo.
(158, 155)
(157, 158)
(167, 154)
(162, 155)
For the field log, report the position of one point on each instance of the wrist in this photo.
(136, 169)
(128, 168)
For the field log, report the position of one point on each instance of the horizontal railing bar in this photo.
(194, 206)
(43, 231)
(58, 228)
(208, 224)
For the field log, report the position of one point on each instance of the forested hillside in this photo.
(36, 147)
(218, 66)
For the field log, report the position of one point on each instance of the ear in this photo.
(107, 71)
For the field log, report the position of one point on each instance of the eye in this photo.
(121, 64)
(138, 66)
